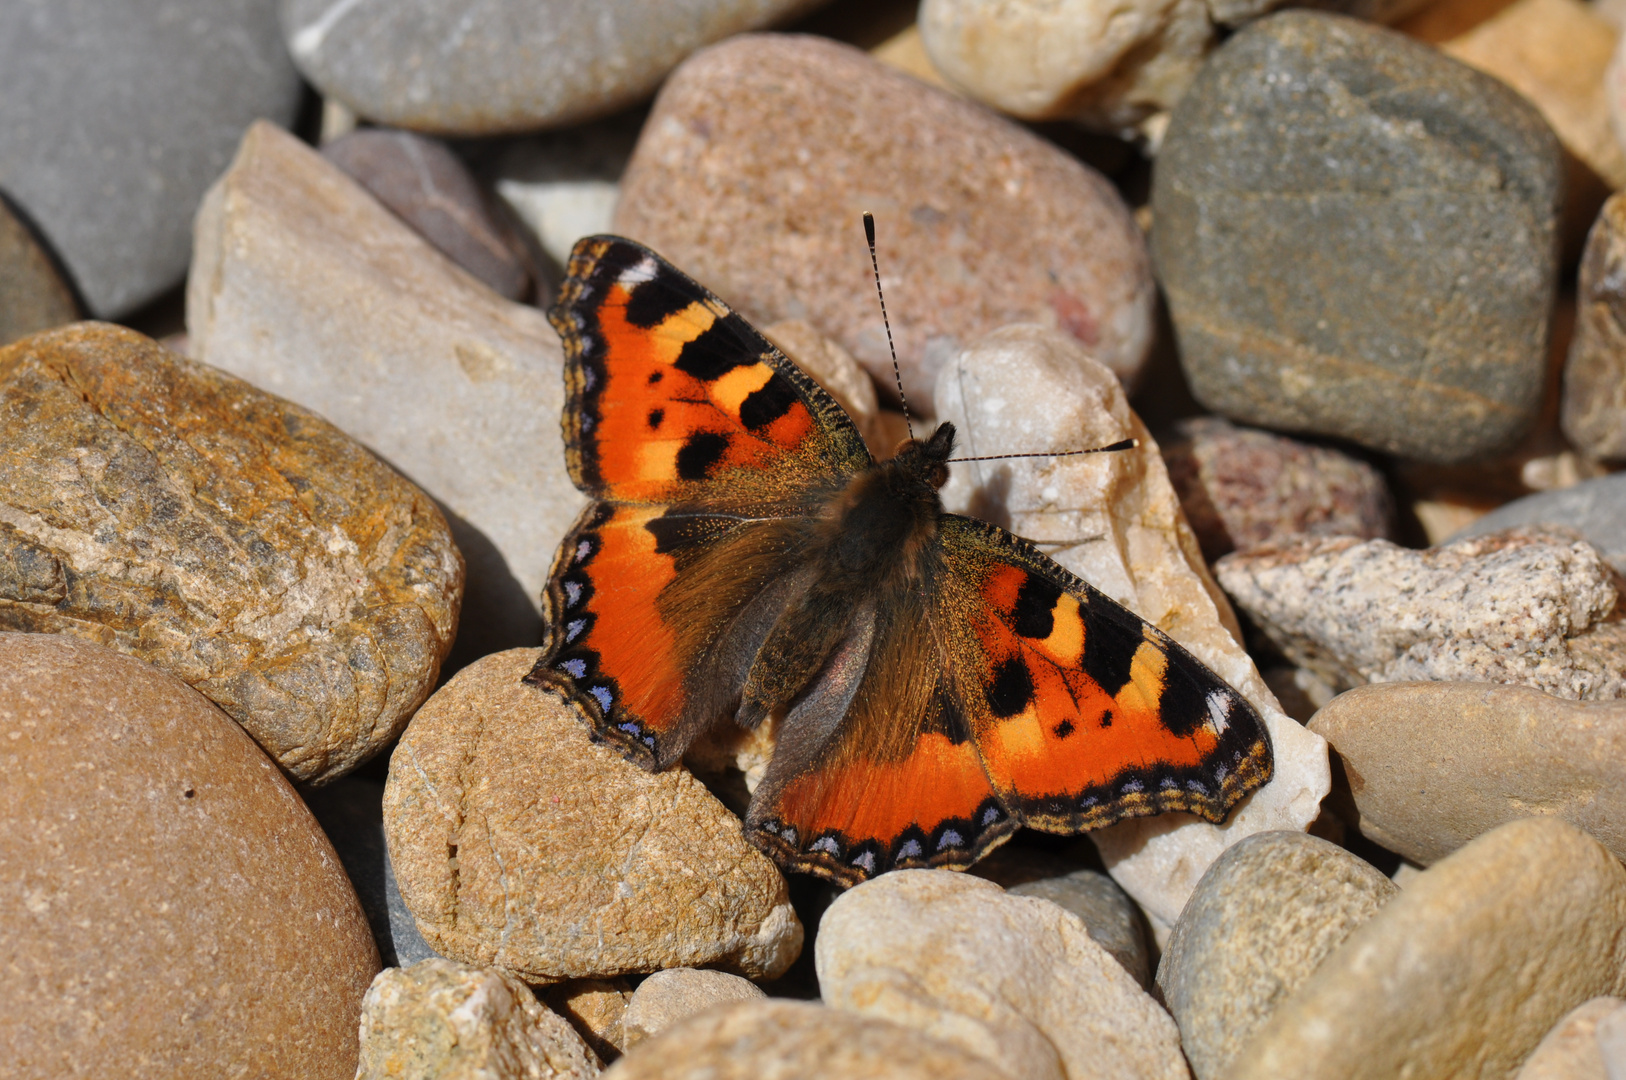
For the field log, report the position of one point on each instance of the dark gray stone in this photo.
(33, 294)
(118, 117)
(1356, 235)
(1593, 413)
(1595, 508)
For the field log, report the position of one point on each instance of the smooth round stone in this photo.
(1593, 413)
(1262, 918)
(978, 222)
(668, 997)
(33, 293)
(1432, 765)
(521, 843)
(1320, 170)
(594, 1008)
(118, 116)
(1463, 972)
(168, 510)
(1594, 508)
(1570, 1050)
(172, 908)
(496, 66)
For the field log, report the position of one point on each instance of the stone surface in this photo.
(978, 222)
(1596, 509)
(171, 908)
(1517, 606)
(1322, 169)
(796, 1040)
(519, 842)
(1433, 765)
(170, 511)
(441, 1020)
(1463, 972)
(426, 185)
(33, 293)
(1013, 979)
(117, 119)
(306, 286)
(594, 1008)
(833, 368)
(499, 66)
(667, 998)
(1114, 520)
(1108, 914)
(1235, 13)
(1570, 1050)
(1241, 488)
(1261, 920)
(1593, 412)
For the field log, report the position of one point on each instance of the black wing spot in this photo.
(718, 351)
(768, 403)
(655, 377)
(653, 302)
(655, 418)
(1106, 718)
(1183, 706)
(1064, 729)
(1011, 689)
(1108, 652)
(703, 450)
(1035, 614)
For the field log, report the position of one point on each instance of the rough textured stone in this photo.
(500, 65)
(1261, 920)
(1570, 1050)
(172, 512)
(519, 842)
(833, 368)
(594, 1008)
(1518, 606)
(171, 908)
(1593, 413)
(978, 222)
(117, 119)
(1013, 979)
(430, 189)
(1463, 972)
(668, 997)
(1433, 765)
(795, 1040)
(1235, 13)
(1241, 488)
(1596, 509)
(33, 294)
(1114, 520)
(306, 286)
(1322, 170)
(441, 1020)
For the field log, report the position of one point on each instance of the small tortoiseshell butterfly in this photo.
(939, 681)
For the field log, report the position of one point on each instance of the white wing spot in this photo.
(639, 272)
(827, 845)
(574, 668)
(911, 849)
(1219, 711)
(601, 694)
(866, 862)
(949, 839)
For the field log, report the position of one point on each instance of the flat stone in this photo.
(796, 1040)
(305, 285)
(594, 1008)
(1262, 919)
(519, 842)
(117, 119)
(668, 997)
(1242, 488)
(33, 293)
(172, 909)
(1593, 413)
(1570, 1050)
(1322, 169)
(170, 511)
(1518, 606)
(1014, 979)
(1114, 520)
(978, 221)
(429, 188)
(452, 1021)
(501, 66)
(1433, 765)
(1463, 973)
(1596, 509)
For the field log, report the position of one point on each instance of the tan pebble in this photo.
(1593, 413)
(1570, 1050)
(668, 997)
(594, 1008)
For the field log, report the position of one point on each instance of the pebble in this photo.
(168, 510)
(452, 1021)
(429, 188)
(1014, 979)
(1596, 509)
(1464, 971)
(171, 908)
(595, 1008)
(1593, 411)
(1108, 914)
(34, 295)
(1322, 169)
(1433, 765)
(1235, 13)
(118, 117)
(1570, 1050)
(518, 842)
(1243, 488)
(503, 66)
(1114, 520)
(978, 221)
(669, 997)
(350, 313)
(1260, 921)
(796, 1040)
(1525, 606)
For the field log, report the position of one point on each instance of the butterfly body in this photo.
(934, 681)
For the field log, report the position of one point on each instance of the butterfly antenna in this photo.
(869, 234)
(1121, 444)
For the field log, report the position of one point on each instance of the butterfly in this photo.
(936, 681)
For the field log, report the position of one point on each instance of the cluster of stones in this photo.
(276, 799)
